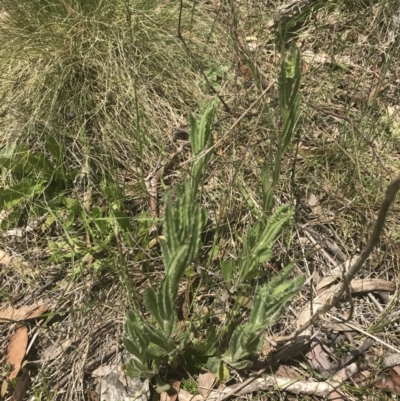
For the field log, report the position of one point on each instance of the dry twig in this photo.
(340, 290)
(152, 183)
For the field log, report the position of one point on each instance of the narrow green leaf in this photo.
(274, 227)
(154, 351)
(201, 139)
(227, 269)
(14, 195)
(197, 226)
(157, 336)
(235, 350)
(249, 202)
(270, 300)
(192, 132)
(135, 330)
(136, 368)
(165, 302)
(267, 190)
(69, 220)
(150, 300)
(132, 347)
(171, 244)
(176, 268)
(124, 225)
(56, 149)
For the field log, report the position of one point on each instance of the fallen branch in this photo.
(268, 382)
(325, 302)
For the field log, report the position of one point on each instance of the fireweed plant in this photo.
(157, 339)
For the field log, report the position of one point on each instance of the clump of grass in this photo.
(189, 385)
(89, 94)
(105, 80)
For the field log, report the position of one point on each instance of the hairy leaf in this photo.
(151, 302)
(136, 368)
(213, 364)
(227, 268)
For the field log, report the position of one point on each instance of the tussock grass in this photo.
(104, 79)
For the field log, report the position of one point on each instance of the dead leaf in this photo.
(4, 389)
(22, 386)
(15, 264)
(317, 357)
(16, 350)
(372, 285)
(172, 393)
(5, 258)
(366, 375)
(243, 301)
(313, 200)
(206, 383)
(118, 386)
(318, 304)
(304, 68)
(361, 285)
(24, 312)
(57, 349)
(92, 395)
(286, 371)
(246, 72)
(4, 213)
(336, 273)
(252, 43)
(186, 396)
(390, 383)
(345, 373)
(376, 90)
(15, 232)
(310, 57)
(268, 348)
